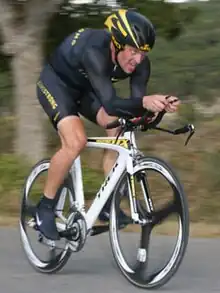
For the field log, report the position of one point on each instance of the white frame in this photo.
(123, 162)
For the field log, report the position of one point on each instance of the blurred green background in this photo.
(185, 62)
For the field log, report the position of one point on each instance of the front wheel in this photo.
(160, 201)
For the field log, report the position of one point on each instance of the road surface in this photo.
(94, 269)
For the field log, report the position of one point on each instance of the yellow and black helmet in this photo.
(128, 27)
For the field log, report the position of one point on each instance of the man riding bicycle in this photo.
(78, 79)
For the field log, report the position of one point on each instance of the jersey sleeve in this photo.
(96, 66)
(139, 80)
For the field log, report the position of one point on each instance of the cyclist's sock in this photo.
(47, 202)
(123, 191)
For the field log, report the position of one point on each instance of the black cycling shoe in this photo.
(123, 219)
(45, 219)
(105, 214)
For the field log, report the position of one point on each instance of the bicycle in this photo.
(75, 224)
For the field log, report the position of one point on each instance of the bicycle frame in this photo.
(127, 150)
(123, 163)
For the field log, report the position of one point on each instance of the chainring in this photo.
(77, 230)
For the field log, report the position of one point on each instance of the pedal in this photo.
(99, 229)
(70, 234)
(31, 223)
(40, 238)
(48, 242)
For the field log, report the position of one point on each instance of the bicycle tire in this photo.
(61, 259)
(175, 261)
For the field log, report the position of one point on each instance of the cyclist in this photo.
(78, 79)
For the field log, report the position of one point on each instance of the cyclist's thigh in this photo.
(56, 99)
(91, 108)
(89, 105)
(103, 119)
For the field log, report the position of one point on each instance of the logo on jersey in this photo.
(47, 94)
(76, 36)
(113, 79)
(81, 71)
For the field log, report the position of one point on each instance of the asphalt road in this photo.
(94, 269)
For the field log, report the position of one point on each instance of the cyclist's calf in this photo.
(73, 140)
(109, 156)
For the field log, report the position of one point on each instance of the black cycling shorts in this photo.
(59, 101)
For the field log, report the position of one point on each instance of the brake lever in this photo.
(191, 132)
(122, 123)
(188, 128)
(125, 126)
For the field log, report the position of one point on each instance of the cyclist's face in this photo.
(129, 58)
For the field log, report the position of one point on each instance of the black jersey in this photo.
(84, 60)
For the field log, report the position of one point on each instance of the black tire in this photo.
(55, 264)
(167, 272)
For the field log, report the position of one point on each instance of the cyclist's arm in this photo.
(139, 80)
(98, 72)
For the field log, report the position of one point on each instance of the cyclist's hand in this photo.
(155, 103)
(147, 120)
(173, 104)
(151, 119)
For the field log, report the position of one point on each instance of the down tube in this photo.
(109, 183)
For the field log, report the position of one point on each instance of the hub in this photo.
(76, 231)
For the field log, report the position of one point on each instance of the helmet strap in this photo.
(117, 50)
(116, 56)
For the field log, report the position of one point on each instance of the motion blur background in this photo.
(185, 62)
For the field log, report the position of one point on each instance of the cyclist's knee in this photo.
(103, 119)
(72, 134)
(75, 144)
(113, 132)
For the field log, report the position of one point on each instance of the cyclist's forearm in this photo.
(127, 108)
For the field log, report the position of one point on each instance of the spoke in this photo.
(160, 215)
(142, 256)
(142, 210)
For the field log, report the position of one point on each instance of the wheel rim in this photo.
(179, 247)
(54, 256)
